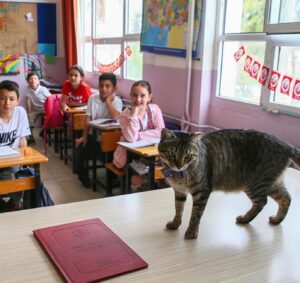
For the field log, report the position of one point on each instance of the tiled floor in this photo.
(63, 185)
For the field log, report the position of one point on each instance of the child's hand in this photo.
(65, 108)
(110, 99)
(80, 141)
(134, 110)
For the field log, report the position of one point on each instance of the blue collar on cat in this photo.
(167, 172)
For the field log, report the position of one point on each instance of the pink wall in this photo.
(169, 86)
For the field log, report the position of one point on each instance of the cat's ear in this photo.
(195, 137)
(166, 133)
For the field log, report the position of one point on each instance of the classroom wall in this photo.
(56, 70)
(168, 77)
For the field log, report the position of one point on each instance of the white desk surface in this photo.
(223, 252)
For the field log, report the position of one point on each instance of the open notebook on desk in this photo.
(104, 122)
(6, 151)
(140, 143)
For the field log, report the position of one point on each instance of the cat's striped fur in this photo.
(227, 160)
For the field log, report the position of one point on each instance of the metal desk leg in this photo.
(151, 173)
(73, 150)
(36, 198)
(65, 139)
(128, 172)
(94, 169)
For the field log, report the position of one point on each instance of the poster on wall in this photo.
(165, 27)
(27, 28)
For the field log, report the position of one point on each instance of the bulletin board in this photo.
(17, 34)
(26, 28)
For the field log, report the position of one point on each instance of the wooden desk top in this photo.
(28, 156)
(75, 110)
(223, 252)
(147, 151)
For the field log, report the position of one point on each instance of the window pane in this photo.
(107, 54)
(86, 18)
(289, 63)
(235, 82)
(244, 16)
(134, 63)
(287, 11)
(134, 16)
(109, 18)
(87, 56)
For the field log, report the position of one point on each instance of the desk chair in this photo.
(16, 186)
(108, 146)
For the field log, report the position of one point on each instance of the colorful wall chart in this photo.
(165, 27)
(10, 64)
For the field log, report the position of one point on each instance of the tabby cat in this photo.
(227, 160)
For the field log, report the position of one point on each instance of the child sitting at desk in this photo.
(36, 96)
(14, 128)
(75, 91)
(102, 105)
(143, 120)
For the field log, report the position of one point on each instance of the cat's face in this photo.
(178, 150)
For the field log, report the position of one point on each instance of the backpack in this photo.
(53, 113)
(54, 117)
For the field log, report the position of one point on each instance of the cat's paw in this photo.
(241, 220)
(172, 225)
(191, 234)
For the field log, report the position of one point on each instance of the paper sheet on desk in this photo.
(84, 107)
(6, 151)
(140, 143)
(105, 122)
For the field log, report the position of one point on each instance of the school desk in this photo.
(223, 252)
(150, 153)
(31, 157)
(97, 128)
(69, 116)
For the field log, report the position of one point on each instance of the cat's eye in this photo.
(189, 157)
(171, 154)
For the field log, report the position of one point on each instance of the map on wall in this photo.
(25, 28)
(165, 27)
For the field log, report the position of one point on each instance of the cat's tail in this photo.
(295, 159)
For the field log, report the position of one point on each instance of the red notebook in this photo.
(87, 251)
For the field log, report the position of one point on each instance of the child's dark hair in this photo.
(77, 68)
(108, 76)
(143, 83)
(10, 86)
(32, 74)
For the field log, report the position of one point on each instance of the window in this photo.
(109, 32)
(269, 33)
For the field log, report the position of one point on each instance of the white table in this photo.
(223, 252)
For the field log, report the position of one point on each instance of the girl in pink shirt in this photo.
(143, 120)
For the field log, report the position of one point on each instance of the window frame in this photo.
(274, 35)
(126, 37)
